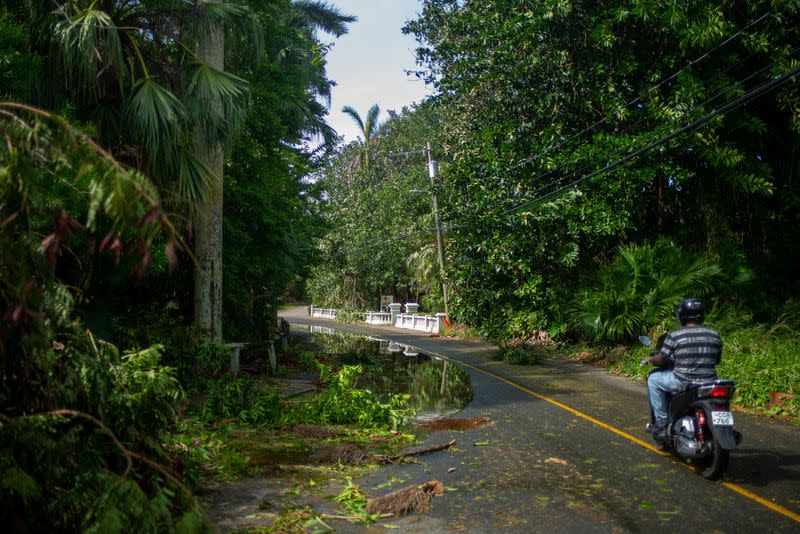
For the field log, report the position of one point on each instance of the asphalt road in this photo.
(568, 453)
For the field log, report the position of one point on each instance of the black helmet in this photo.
(691, 310)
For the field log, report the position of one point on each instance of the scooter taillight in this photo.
(715, 391)
(721, 391)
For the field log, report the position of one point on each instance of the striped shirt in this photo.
(695, 351)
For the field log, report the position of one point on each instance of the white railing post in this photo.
(440, 322)
(236, 349)
(394, 311)
(273, 358)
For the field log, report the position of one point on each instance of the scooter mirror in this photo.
(644, 340)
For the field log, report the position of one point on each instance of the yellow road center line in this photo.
(761, 500)
(738, 489)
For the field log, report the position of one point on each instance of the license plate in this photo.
(722, 418)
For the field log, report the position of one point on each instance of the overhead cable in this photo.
(671, 77)
(697, 106)
(694, 125)
(733, 104)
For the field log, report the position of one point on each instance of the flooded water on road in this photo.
(436, 387)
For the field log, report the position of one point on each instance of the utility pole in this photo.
(433, 170)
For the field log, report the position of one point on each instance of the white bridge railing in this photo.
(323, 313)
(378, 318)
(421, 323)
(433, 324)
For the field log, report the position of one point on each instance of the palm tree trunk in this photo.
(208, 226)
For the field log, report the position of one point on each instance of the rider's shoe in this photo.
(659, 432)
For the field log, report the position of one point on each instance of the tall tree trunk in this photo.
(208, 226)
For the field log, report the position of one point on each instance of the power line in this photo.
(733, 104)
(380, 243)
(694, 125)
(697, 106)
(639, 98)
(737, 102)
(642, 119)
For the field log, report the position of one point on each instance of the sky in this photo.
(368, 63)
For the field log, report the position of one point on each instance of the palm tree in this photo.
(423, 264)
(208, 226)
(369, 129)
(150, 76)
(318, 15)
(298, 48)
(131, 68)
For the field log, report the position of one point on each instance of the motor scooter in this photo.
(700, 424)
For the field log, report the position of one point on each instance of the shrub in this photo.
(307, 359)
(642, 286)
(240, 398)
(349, 316)
(521, 354)
(93, 466)
(341, 403)
(762, 360)
(81, 426)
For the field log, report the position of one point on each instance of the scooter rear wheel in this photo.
(713, 466)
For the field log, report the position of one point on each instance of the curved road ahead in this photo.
(568, 453)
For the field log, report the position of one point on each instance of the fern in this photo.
(642, 286)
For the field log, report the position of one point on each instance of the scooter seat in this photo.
(713, 382)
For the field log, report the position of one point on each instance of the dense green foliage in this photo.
(98, 197)
(520, 354)
(641, 286)
(763, 361)
(142, 96)
(378, 228)
(571, 208)
(81, 426)
(269, 217)
(341, 402)
(106, 112)
(519, 83)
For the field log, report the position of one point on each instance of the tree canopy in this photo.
(107, 109)
(537, 97)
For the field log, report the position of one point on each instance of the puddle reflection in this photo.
(437, 388)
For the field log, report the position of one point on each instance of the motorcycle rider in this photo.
(693, 351)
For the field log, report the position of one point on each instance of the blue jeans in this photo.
(660, 384)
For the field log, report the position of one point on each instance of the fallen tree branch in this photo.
(103, 428)
(406, 500)
(129, 454)
(382, 458)
(351, 517)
